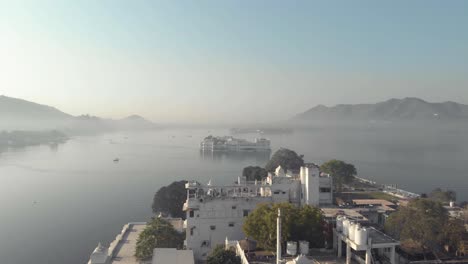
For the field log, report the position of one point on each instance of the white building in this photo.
(362, 244)
(217, 212)
(228, 143)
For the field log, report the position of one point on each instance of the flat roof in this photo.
(379, 237)
(172, 256)
(372, 201)
(125, 249)
(333, 212)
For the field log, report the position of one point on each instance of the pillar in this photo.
(340, 245)
(368, 255)
(348, 254)
(392, 255)
(335, 240)
(278, 237)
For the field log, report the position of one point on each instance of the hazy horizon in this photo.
(230, 60)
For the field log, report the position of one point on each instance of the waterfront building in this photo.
(229, 143)
(217, 212)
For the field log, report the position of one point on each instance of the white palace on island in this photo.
(231, 144)
(216, 212)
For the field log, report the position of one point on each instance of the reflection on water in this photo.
(53, 146)
(84, 197)
(260, 157)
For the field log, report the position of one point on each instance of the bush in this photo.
(170, 199)
(221, 256)
(286, 158)
(158, 233)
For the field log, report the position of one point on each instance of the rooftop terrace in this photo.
(124, 250)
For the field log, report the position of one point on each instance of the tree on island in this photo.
(286, 158)
(296, 223)
(220, 255)
(253, 173)
(170, 199)
(442, 196)
(425, 223)
(158, 233)
(341, 172)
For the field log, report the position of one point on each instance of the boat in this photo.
(116, 160)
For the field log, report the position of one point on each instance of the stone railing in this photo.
(234, 245)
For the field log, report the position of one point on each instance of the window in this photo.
(213, 227)
(231, 224)
(246, 213)
(191, 213)
(276, 192)
(191, 231)
(205, 243)
(326, 190)
(234, 207)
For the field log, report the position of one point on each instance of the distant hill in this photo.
(391, 110)
(19, 108)
(135, 122)
(18, 114)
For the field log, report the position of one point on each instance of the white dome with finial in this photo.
(279, 171)
(99, 255)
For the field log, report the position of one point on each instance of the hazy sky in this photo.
(205, 61)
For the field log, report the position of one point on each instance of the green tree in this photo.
(287, 159)
(296, 224)
(443, 196)
(170, 199)
(341, 172)
(425, 222)
(158, 233)
(453, 233)
(308, 226)
(219, 255)
(253, 173)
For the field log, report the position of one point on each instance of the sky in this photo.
(230, 61)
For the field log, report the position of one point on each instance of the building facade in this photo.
(211, 143)
(217, 212)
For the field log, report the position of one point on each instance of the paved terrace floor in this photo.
(126, 247)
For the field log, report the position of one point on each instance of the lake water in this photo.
(58, 202)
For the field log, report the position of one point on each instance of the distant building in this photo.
(228, 143)
(217, 212)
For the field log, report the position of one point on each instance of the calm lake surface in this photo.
(58, 202)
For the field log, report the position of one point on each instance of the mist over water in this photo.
(60, 201)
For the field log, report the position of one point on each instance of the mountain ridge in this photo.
(16, 107)
(18, 114)
(409, 108)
